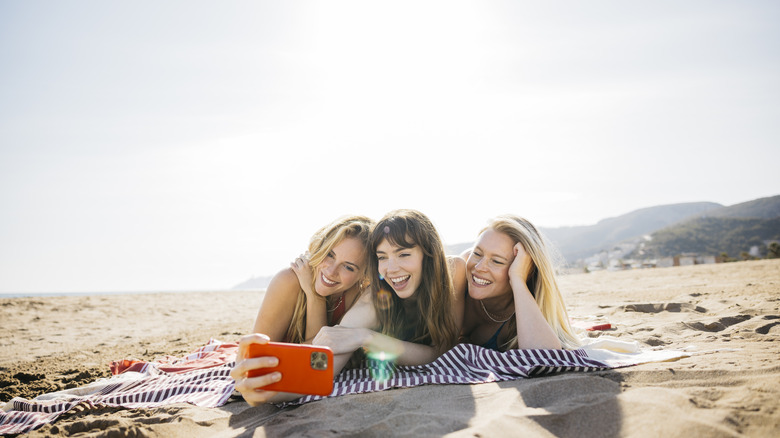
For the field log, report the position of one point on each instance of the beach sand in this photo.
(727, 314)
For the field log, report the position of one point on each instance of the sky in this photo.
(191, 145)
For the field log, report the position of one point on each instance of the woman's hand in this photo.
(251, 388)
(521, 265)
(342, 340)
(304, 273)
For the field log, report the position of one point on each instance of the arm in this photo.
(533, 331)
(357, 330)
(316, 306)
(271, 324)
(276, 310)
(459, 282)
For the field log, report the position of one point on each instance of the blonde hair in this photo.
(320, 245)
(541, 279)
(432, 323)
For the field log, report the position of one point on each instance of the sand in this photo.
(727, 314)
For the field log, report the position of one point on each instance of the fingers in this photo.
(241, 368)
(251, 388)
(253, 384)
(246, 340)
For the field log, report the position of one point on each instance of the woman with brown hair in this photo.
(414, 311)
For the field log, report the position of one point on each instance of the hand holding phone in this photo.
(305, 369)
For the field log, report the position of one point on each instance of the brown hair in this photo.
(432, 323)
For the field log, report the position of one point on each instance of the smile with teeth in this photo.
(398, 280)
(481, 281)
(326, 281)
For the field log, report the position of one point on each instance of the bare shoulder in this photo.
(457, 263)
(458, 272)
(283, 283)
(458, 269)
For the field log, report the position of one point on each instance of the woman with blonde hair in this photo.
(513, 299)
(415, 308)
(315, 292)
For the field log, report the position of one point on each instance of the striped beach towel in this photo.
(213, 386)
(463, 364)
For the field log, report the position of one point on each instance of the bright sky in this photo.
(185, 145)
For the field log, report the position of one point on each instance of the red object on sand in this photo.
(606, 326)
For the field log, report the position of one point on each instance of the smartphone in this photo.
(306, 369)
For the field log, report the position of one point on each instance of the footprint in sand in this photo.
(766, 328)
(718, 325)
(663, 307)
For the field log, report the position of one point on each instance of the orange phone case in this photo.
(305, 369)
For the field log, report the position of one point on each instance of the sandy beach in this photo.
(726, 315)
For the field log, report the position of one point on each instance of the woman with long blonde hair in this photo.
(415, 308)
(513, 299)
(315, 292)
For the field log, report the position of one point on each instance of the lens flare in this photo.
(381, 365)
(383, 299)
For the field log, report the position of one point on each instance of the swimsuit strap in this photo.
(338, 312)
(492, 343)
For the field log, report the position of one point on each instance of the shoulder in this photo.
(457, 263)
(458, 272)
(457, 269)
(283, 282)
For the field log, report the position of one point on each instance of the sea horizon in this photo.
(97, 293)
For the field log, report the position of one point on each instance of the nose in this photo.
(329, 269)
(481, 265)
(390, 264)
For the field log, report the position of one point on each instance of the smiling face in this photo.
(488, 265)
(341, 269)
(400, 267)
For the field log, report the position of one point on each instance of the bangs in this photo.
(396, 231)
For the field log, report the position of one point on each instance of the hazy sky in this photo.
(193, 144)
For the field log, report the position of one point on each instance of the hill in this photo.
(714, 236)
(749, 226)
(578, 242)
(763, 208)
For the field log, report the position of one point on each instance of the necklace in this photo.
(338, 303)
(489, 315)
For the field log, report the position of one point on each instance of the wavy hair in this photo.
(431, 321)
(320, 245)
(541, 280)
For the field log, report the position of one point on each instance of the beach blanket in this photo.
(207, 384)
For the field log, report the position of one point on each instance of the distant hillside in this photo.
(763, 208)
(713, 236)
(578, 242)
(254, 283)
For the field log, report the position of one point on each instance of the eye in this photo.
(349, 268)
(380, 257)
(476, 254)
(498, 262)
(331, 255)
(404, 254)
